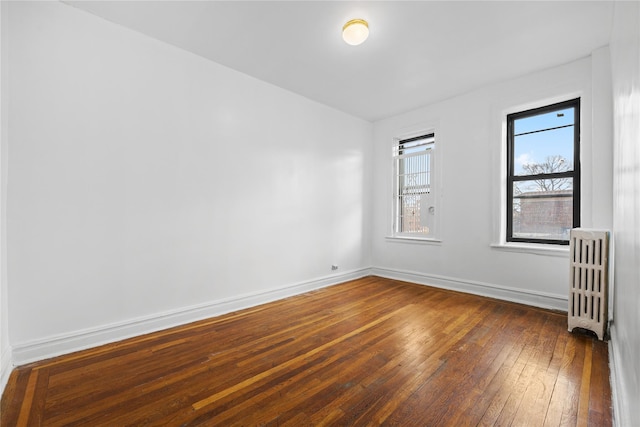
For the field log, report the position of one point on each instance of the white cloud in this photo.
(524, 159)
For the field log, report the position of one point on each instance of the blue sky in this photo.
(536, 147)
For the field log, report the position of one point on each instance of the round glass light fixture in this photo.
(355, 31)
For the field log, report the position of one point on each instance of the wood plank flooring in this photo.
(368, 352)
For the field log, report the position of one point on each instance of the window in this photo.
(414, 201)
(543, 173)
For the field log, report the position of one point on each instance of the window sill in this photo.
(533, 248)
(413, 240)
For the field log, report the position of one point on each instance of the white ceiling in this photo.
(418, 52)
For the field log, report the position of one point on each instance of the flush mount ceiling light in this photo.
(355, 31)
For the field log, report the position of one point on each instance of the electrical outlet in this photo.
(334, 267)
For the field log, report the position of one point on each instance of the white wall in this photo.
(470, 139)
(5, 348)
(149, 186)
(625, 343)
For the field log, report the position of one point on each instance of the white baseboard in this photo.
(533, 298)
(621, 406)
(33, 351)
(5, 368)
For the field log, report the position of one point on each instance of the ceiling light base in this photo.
(355, 32)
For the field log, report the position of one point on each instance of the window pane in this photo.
(414, 206)
(541, 145)
(415, 173)
(415, 145)
(412, 217)
(544, 121)
(414, 180)
(544, 152)
(543, 209)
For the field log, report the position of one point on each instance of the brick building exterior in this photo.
(543, 214)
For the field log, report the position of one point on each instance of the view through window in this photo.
(543, 179)
(414, 209)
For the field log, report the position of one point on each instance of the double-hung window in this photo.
(543, 173)
(414, 201)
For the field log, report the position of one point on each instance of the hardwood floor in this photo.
(367, 352)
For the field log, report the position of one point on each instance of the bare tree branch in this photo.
(551, 164)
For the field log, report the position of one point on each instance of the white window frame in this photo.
(434, 184)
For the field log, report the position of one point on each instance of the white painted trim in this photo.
(36, 350)
(619, 402)
(413, 240)
(522, 296)
(5, 368)
(533, 248)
